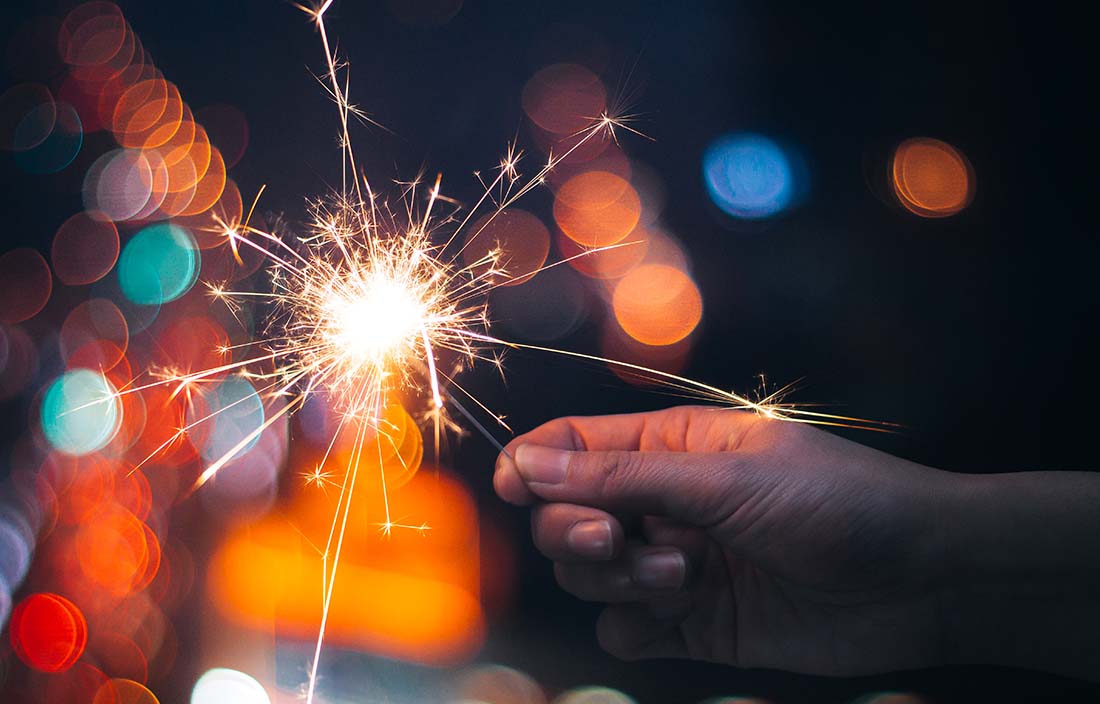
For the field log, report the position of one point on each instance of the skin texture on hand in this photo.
(724, 536)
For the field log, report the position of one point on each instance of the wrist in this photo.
(1020, 563)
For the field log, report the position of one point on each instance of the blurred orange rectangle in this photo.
(410, 594)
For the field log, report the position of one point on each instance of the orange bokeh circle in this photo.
(564, 98)
(931, 178)
(657, 304)
(597, 208)
(124, 691)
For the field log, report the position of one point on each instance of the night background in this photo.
(974, 332)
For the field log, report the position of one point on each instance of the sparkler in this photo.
(365, 302)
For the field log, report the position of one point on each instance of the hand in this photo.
(726, 536)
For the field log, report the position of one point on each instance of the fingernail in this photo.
(542, 465)
(504, 464)
(660, 570)
(590, 539)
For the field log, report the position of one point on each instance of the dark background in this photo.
(975, 332)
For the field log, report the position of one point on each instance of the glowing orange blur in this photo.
(597, 208)
(657, 304)
(410, 594)
(932, 178)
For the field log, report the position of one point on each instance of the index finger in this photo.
(613, 432)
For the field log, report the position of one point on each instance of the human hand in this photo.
(725, 536)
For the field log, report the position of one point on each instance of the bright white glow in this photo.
(225, 686)
(375, 319)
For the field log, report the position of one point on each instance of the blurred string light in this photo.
(750, 176)
(222, 685)
(931, 178)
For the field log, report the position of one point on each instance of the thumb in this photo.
(699, 489)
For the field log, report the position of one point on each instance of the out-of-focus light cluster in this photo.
(751, 177)
(606, 217)
(91, 620)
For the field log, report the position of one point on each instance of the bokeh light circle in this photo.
(60, 147)
(158, 265)
(548, 308)
(91, 34)
(28, 114)
(48, 632)
(499, 684)
(749, 176)
(222, 685)
(564, 98)
(522, 240)
(237, 417)
(77, 685)
(80, 413)
(657, 304)
(597, 208)
(15, 554)
(594, 695)
(119, 184)
(124, 691)
(116, 551)
(931, 178)
(608, 263)
(94, 336)
(85, 248)
(25, 285)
